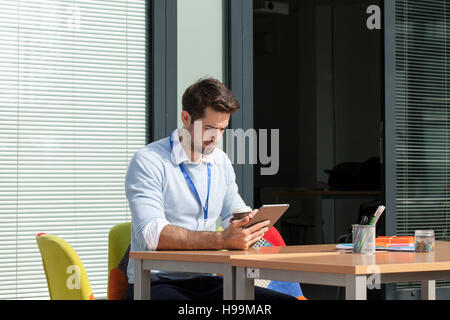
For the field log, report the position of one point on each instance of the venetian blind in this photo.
(422, 117)
(72, 114)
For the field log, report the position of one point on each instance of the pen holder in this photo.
(363, 238)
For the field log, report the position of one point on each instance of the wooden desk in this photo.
(201, 261)
(355, 272)
(181, 261)
(316, 264)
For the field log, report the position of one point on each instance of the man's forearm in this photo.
(176, 238)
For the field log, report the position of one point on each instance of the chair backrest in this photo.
(118, 242)
(66, 277)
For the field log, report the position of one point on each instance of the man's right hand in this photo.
(238, 237)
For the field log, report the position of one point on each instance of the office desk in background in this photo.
(322, 194)
(345, 269)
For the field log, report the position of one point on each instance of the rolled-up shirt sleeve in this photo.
(232, 198)
(152, 231)
(144, 190)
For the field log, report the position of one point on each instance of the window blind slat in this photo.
(422, 118)
(72, 114)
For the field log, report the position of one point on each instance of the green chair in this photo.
(118, 250)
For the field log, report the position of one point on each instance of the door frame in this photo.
(162, 69)
(240, 81)
(162, 73)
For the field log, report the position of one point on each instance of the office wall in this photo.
(320, 67)
(201, 43)
(348, 98)
(276, 98)
(357, 95)
(285, 94)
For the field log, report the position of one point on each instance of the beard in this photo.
(198, 145)
(209, 148)
(204, 150)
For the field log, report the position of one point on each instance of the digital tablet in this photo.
(271, 212)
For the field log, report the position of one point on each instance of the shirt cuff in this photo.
(151, 233)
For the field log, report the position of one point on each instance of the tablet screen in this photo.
(271, 212)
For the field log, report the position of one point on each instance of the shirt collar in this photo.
(179, 155)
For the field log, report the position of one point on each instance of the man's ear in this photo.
(186, 119)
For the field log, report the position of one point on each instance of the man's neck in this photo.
(195, 157)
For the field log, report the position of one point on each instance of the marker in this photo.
(377, 215)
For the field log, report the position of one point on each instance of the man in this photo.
(178, 187)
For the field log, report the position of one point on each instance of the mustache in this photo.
(211, 145)
(205, 145)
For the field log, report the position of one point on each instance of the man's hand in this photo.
(238, 237)
(234, 237)
(250, 215)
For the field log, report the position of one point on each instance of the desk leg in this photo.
(356, 288)
(245, 287)
(141, 281)
(428, 290)
(229, 283)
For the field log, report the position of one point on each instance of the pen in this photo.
(364, 220)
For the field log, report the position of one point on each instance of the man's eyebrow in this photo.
(211, 126)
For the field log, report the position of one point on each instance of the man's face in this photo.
(206, 132)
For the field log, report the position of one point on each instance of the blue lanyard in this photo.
(192, 186)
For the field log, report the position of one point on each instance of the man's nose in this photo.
(215, 135)
(212, 135)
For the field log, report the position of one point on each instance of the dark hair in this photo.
(208, 92)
